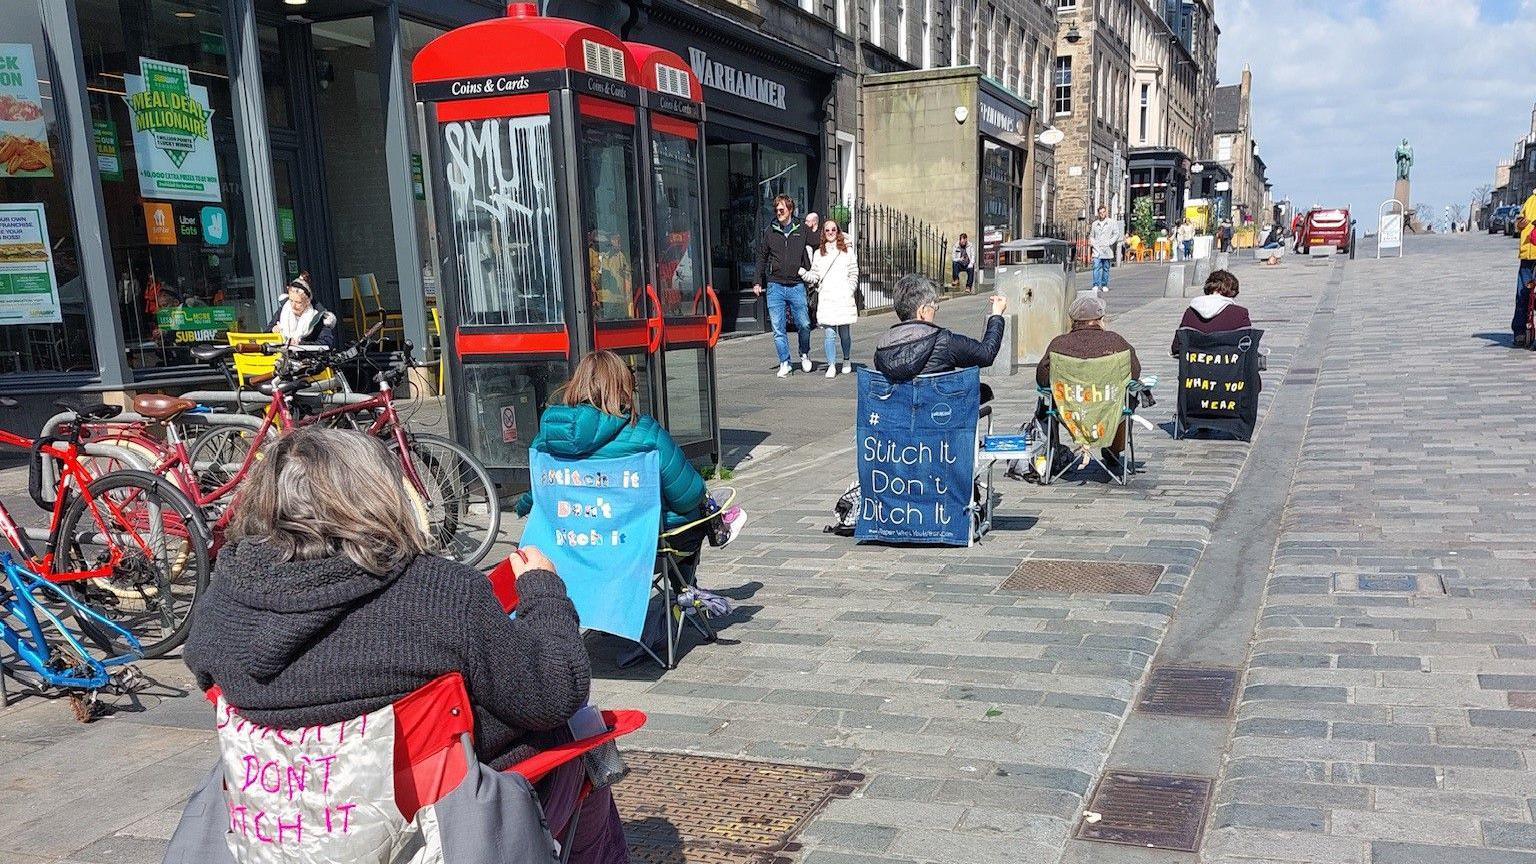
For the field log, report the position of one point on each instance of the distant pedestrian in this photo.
(962, 262)
(782, 253)
(1103, 238)
(834, 271)
(1184, 236)
(1224, 236)
(1525, 279)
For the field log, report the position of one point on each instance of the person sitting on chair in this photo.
(1215, 312)
(302, 321)
(325, 569)
(917, 346)
(596, 419)
(1087, 339)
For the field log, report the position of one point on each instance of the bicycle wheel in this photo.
(463, 512)
(162, 542)
(217, 455)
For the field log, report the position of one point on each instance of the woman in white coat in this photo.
(835, 273)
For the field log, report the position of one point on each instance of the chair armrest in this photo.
(620, 723)
(724, 505)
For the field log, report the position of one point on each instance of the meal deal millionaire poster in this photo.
(23, 133)
(29, 293)
(172, 133)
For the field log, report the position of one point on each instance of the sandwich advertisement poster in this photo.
(29, 293)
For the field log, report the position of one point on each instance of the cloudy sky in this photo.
(1338, 83)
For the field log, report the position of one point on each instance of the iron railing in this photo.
(1075, 233)
(892, 244)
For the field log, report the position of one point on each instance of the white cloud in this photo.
(1336, 85)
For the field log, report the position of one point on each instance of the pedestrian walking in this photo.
(1525, 226)
(834, 271)
(783, 253)
(1103, 237)
(1224, 236)
(1184, 237)
(963, 263)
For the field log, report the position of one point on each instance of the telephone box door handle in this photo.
(714, 318)
(654, 324)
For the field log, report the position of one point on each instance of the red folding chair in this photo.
(267, 788)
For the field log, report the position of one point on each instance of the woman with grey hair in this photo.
(326, 606)
(917, 346)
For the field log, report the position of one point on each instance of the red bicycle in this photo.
(454, 495)
(126, 543)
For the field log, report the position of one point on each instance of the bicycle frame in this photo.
(30, 643)
(71, 472)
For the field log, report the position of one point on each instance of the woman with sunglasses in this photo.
(835, 272)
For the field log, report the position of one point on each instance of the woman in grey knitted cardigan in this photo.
(324, 606)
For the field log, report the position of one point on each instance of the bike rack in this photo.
(128, 457)
(252, 398)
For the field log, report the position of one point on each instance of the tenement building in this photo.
(1090, 102)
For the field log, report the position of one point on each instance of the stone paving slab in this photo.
(1380, 716)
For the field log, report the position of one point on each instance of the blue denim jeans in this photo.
(1522, 295)
(789, 298)
(834, 333)
(1101, 272)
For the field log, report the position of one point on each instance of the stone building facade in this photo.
(1089, 103)
(1235, 149)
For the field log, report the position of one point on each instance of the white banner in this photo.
(1390, 234)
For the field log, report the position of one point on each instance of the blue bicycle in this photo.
(32, 612)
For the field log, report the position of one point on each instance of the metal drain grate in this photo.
(1189, 692)
(1158, 811)
(1082, 577)
(686, 809)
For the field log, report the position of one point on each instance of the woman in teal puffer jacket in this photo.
(597, 420)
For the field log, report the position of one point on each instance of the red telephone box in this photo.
(539, 149)
(674, 130)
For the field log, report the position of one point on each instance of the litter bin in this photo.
(1037, 277)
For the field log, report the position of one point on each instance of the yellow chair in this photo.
(442, 366)
(368, 307)
(251, 365)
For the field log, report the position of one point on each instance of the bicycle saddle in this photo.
(159, 407)
(91, 412)
(212, 353)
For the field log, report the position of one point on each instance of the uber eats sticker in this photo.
(172, 133)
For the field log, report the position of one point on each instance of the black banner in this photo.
(493, 85)
(1219, 381)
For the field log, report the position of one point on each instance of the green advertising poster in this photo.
(29, 292)
(196, 318)
(109, 161)
(418, 180)
(285, 228)
(23, 130)
(172, 133)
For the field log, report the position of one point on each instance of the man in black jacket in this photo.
(782, 256)
(917, 346)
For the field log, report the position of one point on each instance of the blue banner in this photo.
(916, 445)
(597, 520)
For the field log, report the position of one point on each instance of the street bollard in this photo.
(1174, 287)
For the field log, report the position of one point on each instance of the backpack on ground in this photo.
(846, 511)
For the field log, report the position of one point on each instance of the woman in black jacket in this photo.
(302, 321)
(917, 346)
(325, 606)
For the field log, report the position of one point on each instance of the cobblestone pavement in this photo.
(982, 719)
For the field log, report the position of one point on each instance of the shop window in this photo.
(158, 82)
(1002, 190)
(413, 37)
(44, 314)
(350, 107)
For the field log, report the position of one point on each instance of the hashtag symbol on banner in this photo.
(874, 419)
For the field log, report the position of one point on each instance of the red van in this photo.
(1326, 226)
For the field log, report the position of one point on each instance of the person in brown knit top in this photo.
(1214, 312)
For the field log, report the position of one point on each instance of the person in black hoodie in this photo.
(325, 606)
(917, 346)
(783, 255)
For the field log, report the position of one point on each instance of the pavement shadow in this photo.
(1503, 340)
(605, 649)
(736, 445)
(653, 840)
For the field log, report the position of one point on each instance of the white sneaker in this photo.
(805, 362)
(831, 370)
(784, 369)
(847, 368)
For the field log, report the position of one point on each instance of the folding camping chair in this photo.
(1090, 400)
(374, 787)
(600, 522)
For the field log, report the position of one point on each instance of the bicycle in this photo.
(54, 655)
(125, 542)
(454, 494)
